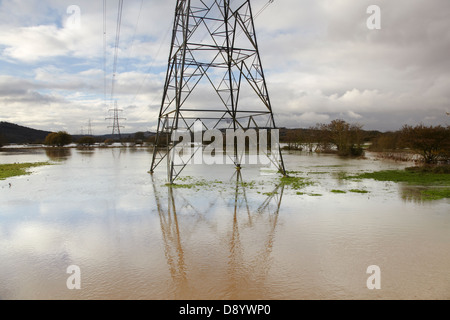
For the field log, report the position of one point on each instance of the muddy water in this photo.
(221, 236)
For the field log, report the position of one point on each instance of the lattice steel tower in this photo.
(214, 75)
(116, 121)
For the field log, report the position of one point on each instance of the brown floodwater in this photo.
(221, 235)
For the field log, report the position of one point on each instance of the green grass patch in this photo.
(296, 183)
(425, 194)
(309, 194)
(408, 176)
(293, 172)
(330, 166)
(338, 191)
(188, 182)
(247, 184)
(270, 194)
(358, 191)
(18, 169)
(195, 184)
(436, 194)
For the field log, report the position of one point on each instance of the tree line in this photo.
(432, 143)
(338, 137)
(62, 138)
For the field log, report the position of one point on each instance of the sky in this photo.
(321, 61)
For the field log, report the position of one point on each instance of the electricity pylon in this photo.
(116, 121)
(214, 75)
(90, 133)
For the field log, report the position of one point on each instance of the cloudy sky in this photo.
(321, 60)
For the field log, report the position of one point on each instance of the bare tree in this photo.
(432, 143)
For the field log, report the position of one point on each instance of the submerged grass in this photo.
(338, 191)
(425, 194)
(296, 183)
(309, 194)
(427, 176)
(18, 169)
(192, 185)
(358, 191)
(407, 176)
(435, 194)
(330, 166)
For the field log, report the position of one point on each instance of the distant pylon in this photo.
(214, 75)
(116, 121)
(90, 128)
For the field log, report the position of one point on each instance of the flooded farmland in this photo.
(218, 234)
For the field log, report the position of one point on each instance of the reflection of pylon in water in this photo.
(270, 210)
(176, 249)
(213, 47)
(170, 230)
(116, 121)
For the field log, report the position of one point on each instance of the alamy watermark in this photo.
(374, 21)
(374, 281)
(213, 146)
(73, 21)
(74, 280)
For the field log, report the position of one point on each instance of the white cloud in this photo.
(321, 62)
(34, 43)
(354, 115)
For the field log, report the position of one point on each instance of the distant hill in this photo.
(125, 136)
(13, 133)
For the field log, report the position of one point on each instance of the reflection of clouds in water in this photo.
(107, 245)
(119, 234)
(215, 240)
(36, 238)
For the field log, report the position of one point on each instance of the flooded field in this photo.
(218, 234)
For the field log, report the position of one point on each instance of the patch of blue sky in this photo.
(19, 70)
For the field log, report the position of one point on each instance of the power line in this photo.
(263, 8)
(116, 47)
(152, 63)
(257, 15)
(134, 33)
(104, 50)
(116, 125)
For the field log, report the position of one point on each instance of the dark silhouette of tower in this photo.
(215, 77)
(90, 133)
(116, 121)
